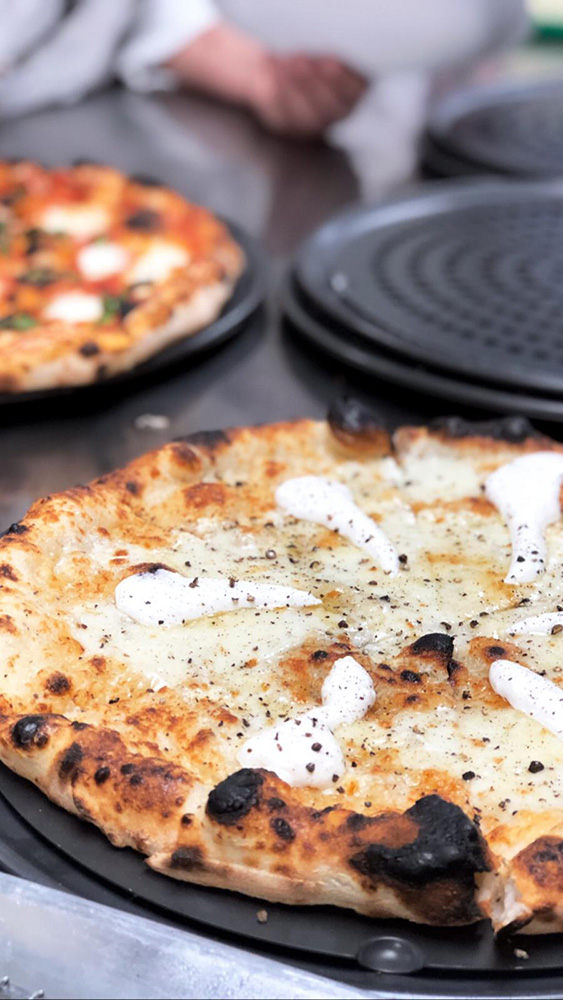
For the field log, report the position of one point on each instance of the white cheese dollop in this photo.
(75, 307)
(167, 598)
(159, 262)
(80, 221)
(535, 696)
(326, 502)
(536, 625)
(303, 750)
(526, 492)
(100, 260)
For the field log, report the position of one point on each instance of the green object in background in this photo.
(547, 19)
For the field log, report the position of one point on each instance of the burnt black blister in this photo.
(513, 429)
(89, 349)
(145, 219)
(186, 858)
(234, 797)
(70, 760)
(15, 529)
(448, 845)
(434, 642)
(147, 180)
(352, 416)
(30, 731)
(495, 651)
(282, 829)
(205, 439)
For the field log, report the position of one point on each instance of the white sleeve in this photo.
(160, 30)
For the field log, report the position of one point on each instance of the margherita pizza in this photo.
(307, 662)
(99, 271)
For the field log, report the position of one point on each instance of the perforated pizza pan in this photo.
(245, 300)
(436, 162)
(326, 335)
(324, 932)
(508, 128)
(464, 277)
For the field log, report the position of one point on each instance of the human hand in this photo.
(302, 95)
(297, 95)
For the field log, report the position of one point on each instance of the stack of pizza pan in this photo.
(454, 291)
(509, 129)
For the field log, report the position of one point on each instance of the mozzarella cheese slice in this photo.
(75, 307)
(166, 598)
(529, 693)
(538, 624)
(100, 260)
(303, 750)
(159, 262)
(526, 492)
(80, 221)
(331, 504)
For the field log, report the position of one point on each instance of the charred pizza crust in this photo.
(138, 318)
(149, 769)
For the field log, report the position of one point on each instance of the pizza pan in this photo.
(463, 277)
(326, 933)
(437, 162)
(246, 298)
(512, 129)
(323, 333)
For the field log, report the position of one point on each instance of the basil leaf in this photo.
(17, 321)
(4, 238)
(40, 277)
(112, 307)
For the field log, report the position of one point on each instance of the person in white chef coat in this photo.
(298, 66)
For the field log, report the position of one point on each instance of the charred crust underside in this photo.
(512, 429)
(233, 798)
(448, 846)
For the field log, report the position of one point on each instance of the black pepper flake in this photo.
(403, 558)
(316, 747)
(193, 583)
(556, 629)
(342, 624)
(319, 654)
(310, 767)
(535, 766)
(468, 775)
